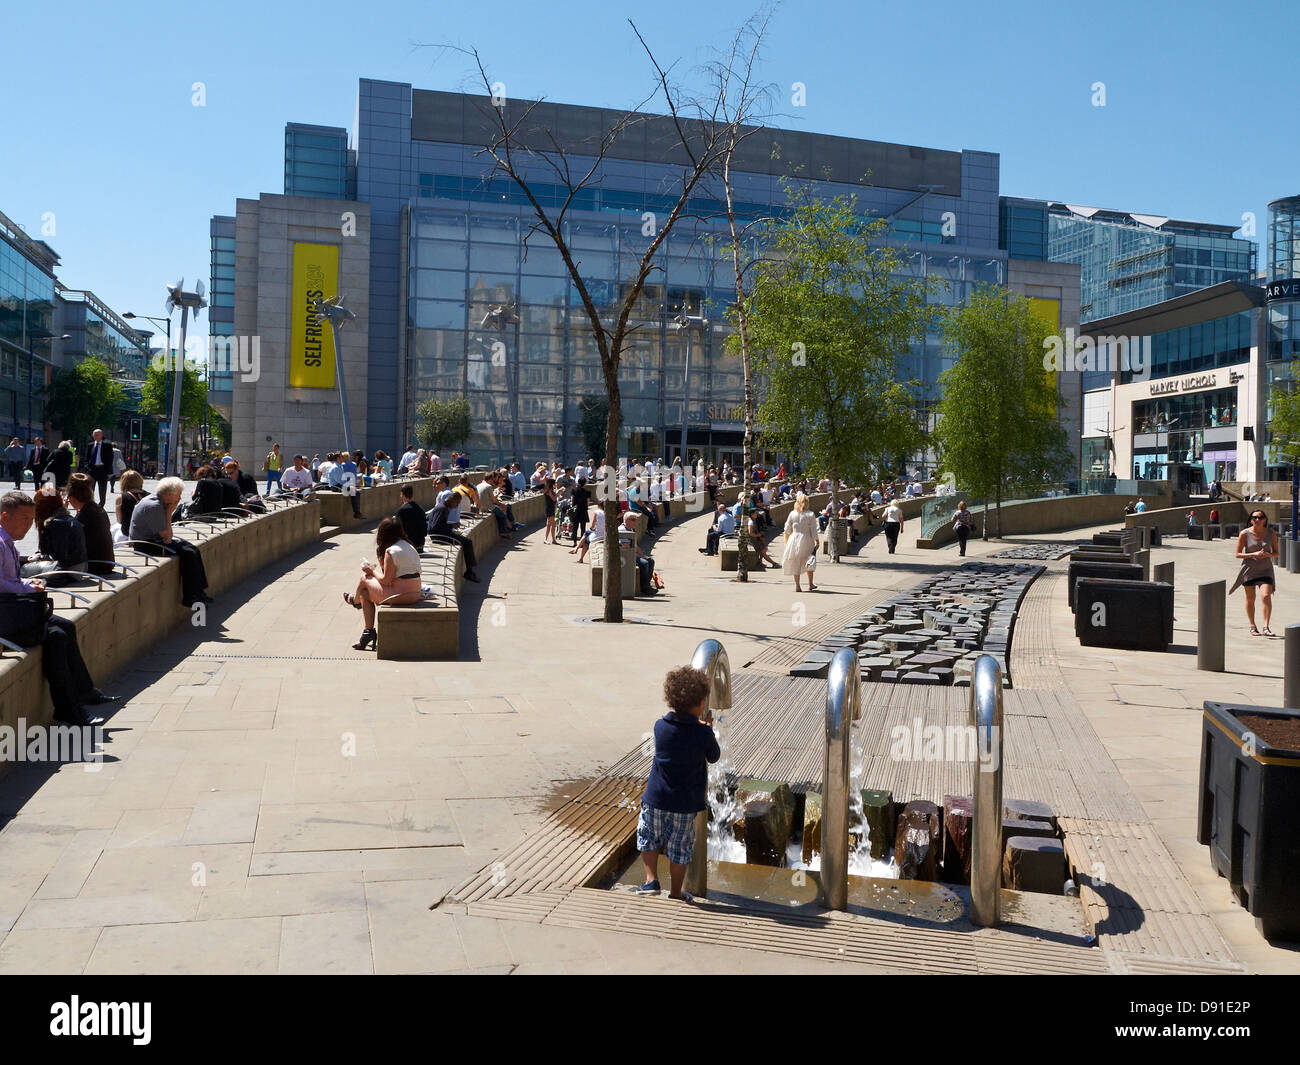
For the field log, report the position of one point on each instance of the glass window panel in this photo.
(438, 284)
(438, 225)
(439, 314)
(493, 258)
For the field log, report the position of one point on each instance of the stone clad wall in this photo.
(133, 613)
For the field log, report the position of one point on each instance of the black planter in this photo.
(1248, 816)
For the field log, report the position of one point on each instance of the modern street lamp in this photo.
(186, 301)
(692, 323)
(167, 324)
(337, 315)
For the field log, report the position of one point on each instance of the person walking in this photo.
(801, 543)
(15, 457)
(1257, 547)
(100, 459)
(272, 466)
(36, 461)
(962, 524)
(894, 525)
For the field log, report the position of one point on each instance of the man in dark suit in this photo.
(36, 460)
(414, 521)
(99, 457)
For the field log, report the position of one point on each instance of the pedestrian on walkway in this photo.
(548, 491)
(801, 543)
(15, 456)
(678, 785)
(962, 524)
(272, 465)
(893, 524)
(1257, 547)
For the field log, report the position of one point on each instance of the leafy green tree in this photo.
(829, 315)
(83, 398)
(442, 422)
(155, 393)
(1284, 424)
(997, 418)
(593, 417)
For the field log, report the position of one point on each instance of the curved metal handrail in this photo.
(711, 658)
(843, 707)
(986, 810)
(130, 544)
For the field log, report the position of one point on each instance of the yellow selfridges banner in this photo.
(311, 344)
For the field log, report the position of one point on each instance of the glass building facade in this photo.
(317, 162)
(27, 308)
(221, 304)
(467, 299)
(96, 331)
(1126, 261)
(1283, 295)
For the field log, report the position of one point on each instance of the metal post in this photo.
(686, 395)
(1291, 671)
(843, 706)
(986, 809)
(173, 464)
(710, 657)
(1211, 623)
(342, 387)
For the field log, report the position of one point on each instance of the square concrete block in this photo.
(418, 632)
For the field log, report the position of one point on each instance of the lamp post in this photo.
(338, 315)
(692, 323)
(167, 323)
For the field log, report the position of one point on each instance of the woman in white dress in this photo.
(801, 542)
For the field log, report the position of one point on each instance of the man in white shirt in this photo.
(656, 490)
(298, 478)
(517, 480)
(408, 457)
(724, 525)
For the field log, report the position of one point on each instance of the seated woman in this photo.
(94, 521)
(208, 498)
(396, 582)
(130, 487)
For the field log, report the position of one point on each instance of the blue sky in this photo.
(100, 129)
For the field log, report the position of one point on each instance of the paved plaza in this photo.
(273, 801)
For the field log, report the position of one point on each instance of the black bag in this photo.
(23, 617)
(64, 540)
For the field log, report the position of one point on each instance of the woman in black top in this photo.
(581, 497)
(548, 491)
(94, 522)
(208, 496)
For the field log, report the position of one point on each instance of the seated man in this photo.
(297, 478)
(724, 525)
(444, 518)
(71, 687)
(487, 503)
(412, 517)
(151, 522)
(343, 478)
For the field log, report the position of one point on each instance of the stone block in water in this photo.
(957, 811)
(878, 812)
(765, 821)
(1028, 810)
(1031, 863)
(917, 842)
(812, 825)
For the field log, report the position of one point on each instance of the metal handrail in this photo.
(843, 707)
(986, 810)
(135, 551)
(710, 658)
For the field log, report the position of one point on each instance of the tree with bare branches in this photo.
(692, 134)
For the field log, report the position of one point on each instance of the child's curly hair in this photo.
(684, 688)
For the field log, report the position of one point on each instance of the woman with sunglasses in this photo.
(1257, 547)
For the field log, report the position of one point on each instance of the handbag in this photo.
(811, 564)
(23, 617)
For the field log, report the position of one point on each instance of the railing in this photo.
(710, 657)
(843, 707)
(935, 515)
(986, 809)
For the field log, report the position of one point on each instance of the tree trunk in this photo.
(613, 576)
(831, 525)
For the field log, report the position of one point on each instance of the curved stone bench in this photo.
(120, 616)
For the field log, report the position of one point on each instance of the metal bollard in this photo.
(986, 808)
(1163, 573)
(843, 699)
(1293, 558)
(1291, 672)
(1211, 622)
(711, 657)
(1283, 553)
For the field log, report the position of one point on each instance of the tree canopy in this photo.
(83, 398)
(997, 418)
(442, 422)
(155, 394)
(829, 316)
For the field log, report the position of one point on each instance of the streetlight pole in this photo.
(166, 322)
(691, 323)
(337, 314)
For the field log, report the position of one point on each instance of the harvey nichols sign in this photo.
(1288, 288)
(1184, 384)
